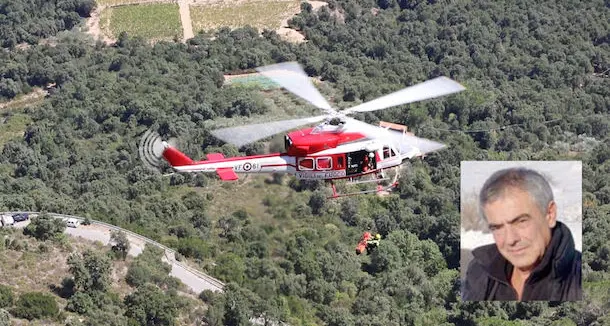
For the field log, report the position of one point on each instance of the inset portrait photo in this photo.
(521, 230)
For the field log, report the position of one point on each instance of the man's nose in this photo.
(512, 235)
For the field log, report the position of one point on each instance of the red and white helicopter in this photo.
(339, 147)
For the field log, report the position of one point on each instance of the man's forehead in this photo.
(509, 204)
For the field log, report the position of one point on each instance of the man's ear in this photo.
(551, 214)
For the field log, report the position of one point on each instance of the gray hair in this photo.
(521, 178)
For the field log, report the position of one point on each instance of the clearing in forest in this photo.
(13, 120)
(258, 14)
(151, 21)
(114, 3)
(251, 80)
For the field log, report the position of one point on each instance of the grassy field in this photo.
(12, 127)
(151, 21)
(13, 120)
(110, 3)
(258, 14)
(253, 81)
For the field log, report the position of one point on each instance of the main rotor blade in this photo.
(242, 135)
(403, 143)
(429, 89)
(291, 76)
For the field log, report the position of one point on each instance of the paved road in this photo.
(193, 279)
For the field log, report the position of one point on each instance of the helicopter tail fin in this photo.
(175, 157)
(214, 156)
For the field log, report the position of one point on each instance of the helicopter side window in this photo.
(287, 142)
(324, 163)
(305, 163)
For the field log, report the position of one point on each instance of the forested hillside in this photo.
(538, 88)
(28, 21)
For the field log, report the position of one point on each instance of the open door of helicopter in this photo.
(360, 162)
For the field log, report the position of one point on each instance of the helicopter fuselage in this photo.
(310, 155)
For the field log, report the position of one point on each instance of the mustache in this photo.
(512, 249)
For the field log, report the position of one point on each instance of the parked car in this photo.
(72, 222)
(19, 217)
(7, 220)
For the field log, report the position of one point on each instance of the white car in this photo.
(72, 222)
(7, 220)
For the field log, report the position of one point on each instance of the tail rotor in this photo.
(151, 149)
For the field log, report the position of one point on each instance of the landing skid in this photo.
(382, 186)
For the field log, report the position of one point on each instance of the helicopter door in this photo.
(360, 162)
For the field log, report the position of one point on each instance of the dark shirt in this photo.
(556, 278)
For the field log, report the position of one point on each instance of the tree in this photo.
(9, 88)
(215, 313)
(385, 224)
(149, 306)
(121, 244)
(349, 212)
(230, 227)
(149, 268)
(45, 227)
(316, 202)
(91, 271)
(236, 306)
(230, 267)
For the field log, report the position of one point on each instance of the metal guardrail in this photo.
(166, 249)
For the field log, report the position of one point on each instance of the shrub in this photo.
(5, 318)
(35, 305)
(45, 227)
(6, 296)
(121, 244)
(80, 303)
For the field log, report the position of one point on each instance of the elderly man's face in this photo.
(522, 232)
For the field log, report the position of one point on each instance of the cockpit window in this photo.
(287, 142)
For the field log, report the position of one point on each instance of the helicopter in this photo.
(335, 147)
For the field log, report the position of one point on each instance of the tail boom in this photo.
(226, 168)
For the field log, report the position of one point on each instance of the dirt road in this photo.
(185, 18)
